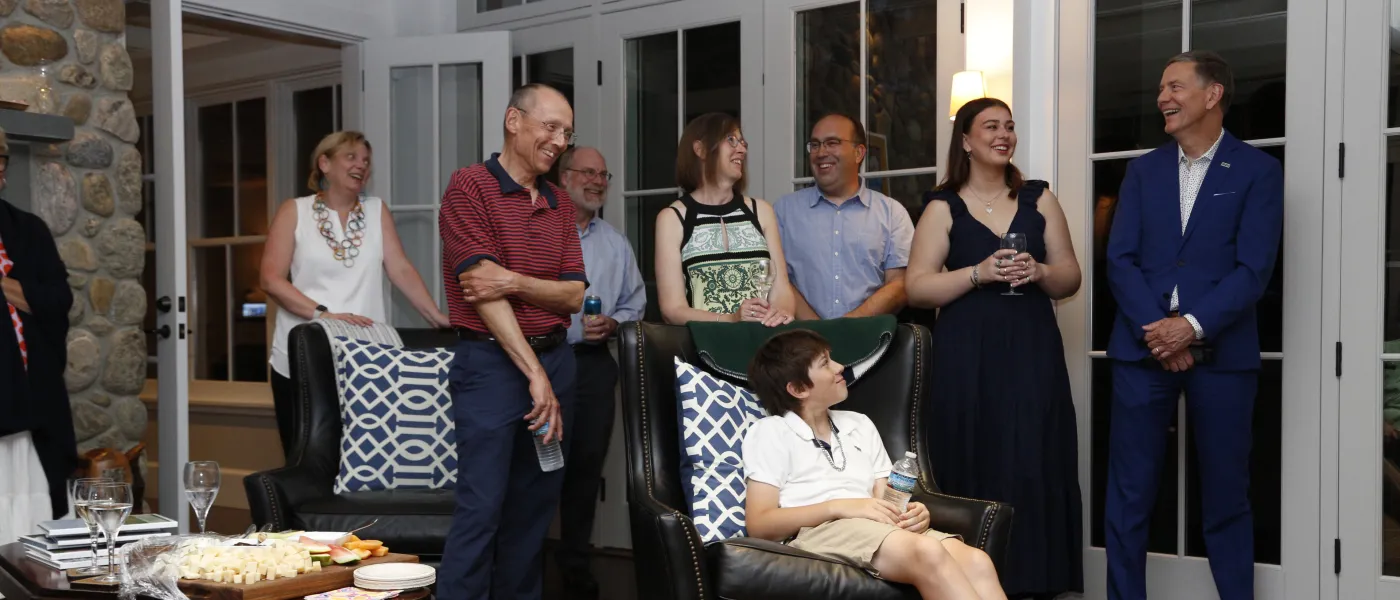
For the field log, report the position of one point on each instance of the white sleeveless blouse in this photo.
(316, 273)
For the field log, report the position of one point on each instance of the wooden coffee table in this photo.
(24, 579)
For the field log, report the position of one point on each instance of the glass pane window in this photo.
(828, 69)
(490, 5)
(1390, 461)
(252, 167)
(313, 123)
(907, 189)
(209, 269)
(645, 210)
(216, 212)
(411, 130)
(555, 69)
(1132, 41)
(901, 94)
(712, 70)
(248, 315)
(1253, 37)
(653, 106)
(459, 125)
(419, 233)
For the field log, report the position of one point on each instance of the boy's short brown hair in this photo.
(783, 359)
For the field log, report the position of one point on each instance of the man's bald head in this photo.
(539, 126)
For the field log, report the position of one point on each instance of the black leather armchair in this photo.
(672, 563)
(299, 495)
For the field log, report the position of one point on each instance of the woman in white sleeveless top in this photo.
(327, 254)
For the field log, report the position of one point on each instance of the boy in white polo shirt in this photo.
(819, 474)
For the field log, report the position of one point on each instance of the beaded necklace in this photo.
(347, 249)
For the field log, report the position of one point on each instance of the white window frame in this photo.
(468, 19)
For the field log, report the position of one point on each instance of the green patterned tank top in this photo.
(720, 249)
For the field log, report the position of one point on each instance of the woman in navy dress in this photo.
(1000, 419)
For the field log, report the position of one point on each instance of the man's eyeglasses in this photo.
(830, 144)
(592, 174)
(554, 129)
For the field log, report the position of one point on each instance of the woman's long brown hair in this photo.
(959, 163)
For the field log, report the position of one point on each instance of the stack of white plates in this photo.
(395, 576)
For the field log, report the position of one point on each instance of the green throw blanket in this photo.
(857, 343)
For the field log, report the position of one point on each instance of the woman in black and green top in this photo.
(715, 245)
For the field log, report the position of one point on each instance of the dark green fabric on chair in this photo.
(728, 347)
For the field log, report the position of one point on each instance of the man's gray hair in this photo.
(1211, 68)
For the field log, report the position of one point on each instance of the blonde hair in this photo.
(330, 146)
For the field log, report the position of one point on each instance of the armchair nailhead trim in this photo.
(646, 460)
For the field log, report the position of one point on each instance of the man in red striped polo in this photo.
(510, 245)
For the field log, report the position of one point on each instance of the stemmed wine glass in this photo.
(110, 506)
(80, 491)
(1016, 242)
(762, 277)
(201, 485)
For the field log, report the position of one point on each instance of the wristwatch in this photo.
(320, 310)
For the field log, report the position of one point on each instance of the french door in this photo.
(429, 106)
(1368, 302)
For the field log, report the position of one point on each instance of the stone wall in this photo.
(88, 192)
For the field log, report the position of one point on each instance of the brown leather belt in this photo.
(539, 343)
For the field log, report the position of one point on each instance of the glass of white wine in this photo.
(202, 486)
(1017, 243)
(110, 506)
(80, 491)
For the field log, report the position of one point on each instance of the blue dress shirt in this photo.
(612, 274)
(837, 255)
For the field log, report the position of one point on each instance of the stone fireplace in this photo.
(88, 190)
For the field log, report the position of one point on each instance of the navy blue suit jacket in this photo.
(1221, 264)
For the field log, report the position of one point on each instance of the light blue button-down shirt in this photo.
(837, 255)
(612, 274)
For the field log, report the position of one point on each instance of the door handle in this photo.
(163, 304)
(162, 332)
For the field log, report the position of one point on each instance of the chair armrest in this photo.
(982, 523)
(669, 554)
(273, 494)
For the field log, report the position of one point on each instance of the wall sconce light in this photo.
(967, 86)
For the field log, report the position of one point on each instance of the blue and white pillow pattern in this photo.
(396, 418)
(714, 416)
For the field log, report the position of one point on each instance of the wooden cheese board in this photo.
(329, 578)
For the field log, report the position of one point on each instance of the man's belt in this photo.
(539, 343)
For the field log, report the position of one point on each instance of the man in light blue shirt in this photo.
(614, 278)
(846, 245)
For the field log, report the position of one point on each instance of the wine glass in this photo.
(80, 492)
(201, 485)
(762, 277)
(1017, 242)
(110, 506)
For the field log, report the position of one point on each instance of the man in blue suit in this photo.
(1191, 251)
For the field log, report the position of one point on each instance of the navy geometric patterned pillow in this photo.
(714, 416)
(396, 418)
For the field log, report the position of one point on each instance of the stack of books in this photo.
(64, 544)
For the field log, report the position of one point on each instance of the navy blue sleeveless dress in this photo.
(1000, 417)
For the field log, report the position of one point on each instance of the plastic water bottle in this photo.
(551, 455)
(904, 477)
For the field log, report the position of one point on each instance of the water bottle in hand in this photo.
(551, 455)
(904, 477)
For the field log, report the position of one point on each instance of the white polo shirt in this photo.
(779, 451)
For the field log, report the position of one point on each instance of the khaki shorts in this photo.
(852, 541)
